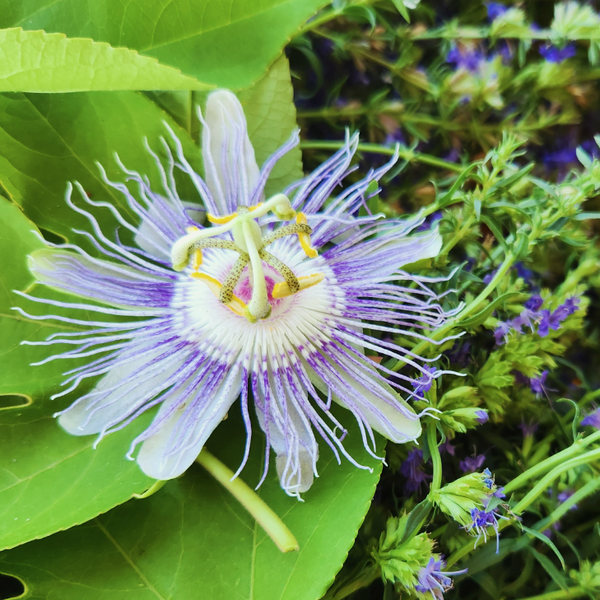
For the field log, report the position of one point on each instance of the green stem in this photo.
(440, 333)
(550, 463)
(546, 481)
(325, 18)
(251, 501)
(574, 592)
(436, 459)
(407, 154)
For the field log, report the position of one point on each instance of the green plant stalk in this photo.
(436, 459)
(573, 592)
(466, 311)
(251, 501)
(550, 463)
(327, 16)
(546, 481)
(408, 155)
(537, 491)
(589, 488)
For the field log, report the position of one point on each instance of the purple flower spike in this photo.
(424, 383)
(557, 55)
(534, 303)
(433, 580)
(482, 416)
(481, 520)
(592, 420)
(269, 303)
(501, 332)
(549, 320)
(472, 463)
(528, 429)
(411, 468)
(537, 385)
(495, 10)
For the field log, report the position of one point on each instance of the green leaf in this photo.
(399, 4)
(49, 480)
(482, 316)
(48, 140)
(214, 41)
(271, 115)
(192, 535)
(34, 61)
(544, 538)
(548, 566)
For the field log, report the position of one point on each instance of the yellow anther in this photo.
(191, 229)
(197, 260)
(221, 220)
(281, 290)
(235, 305)
(304, 238)
(252, 208)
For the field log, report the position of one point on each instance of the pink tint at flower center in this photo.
(243, 289)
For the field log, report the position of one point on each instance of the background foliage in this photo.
(495, 108)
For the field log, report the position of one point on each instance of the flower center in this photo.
(249, 242)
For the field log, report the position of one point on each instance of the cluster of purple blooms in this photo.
(472, 463)
(412, 469)
(488, 517)
(549, 52)
(435, 581)
(533, 313)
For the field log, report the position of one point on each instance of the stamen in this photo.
(232, 278)
(290, 279)
(304, 238)
(197, 260)
(235, 304)
(281, 290)
(221, 220)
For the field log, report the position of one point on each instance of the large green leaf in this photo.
(48, 480)
(34, 61)
(222, 42)
(48, 140)
(193, 540)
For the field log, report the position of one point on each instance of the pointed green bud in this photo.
(460, 497)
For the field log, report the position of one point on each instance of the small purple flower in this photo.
(472, 463)
(553, 54)
(568, 308)
(537, 385)
(564, 496)
(481, 520)
(549, 320)
(423, 384)
(523, 272)
(534, 303)
(528, 429)
(593, 419)
(482, 416)
(435, 581)
(501, 332)
(488, 278)
(465, 58)
(495, 10)
(430, 221)
(411, 468)
(447, 447)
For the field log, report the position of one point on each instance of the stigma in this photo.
(249, 242)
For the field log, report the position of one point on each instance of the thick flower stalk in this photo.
(265, 300)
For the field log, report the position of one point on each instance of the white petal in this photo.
(396, 421)
(154, 458)
(77, 420)
(295, 446)
(231, 171)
